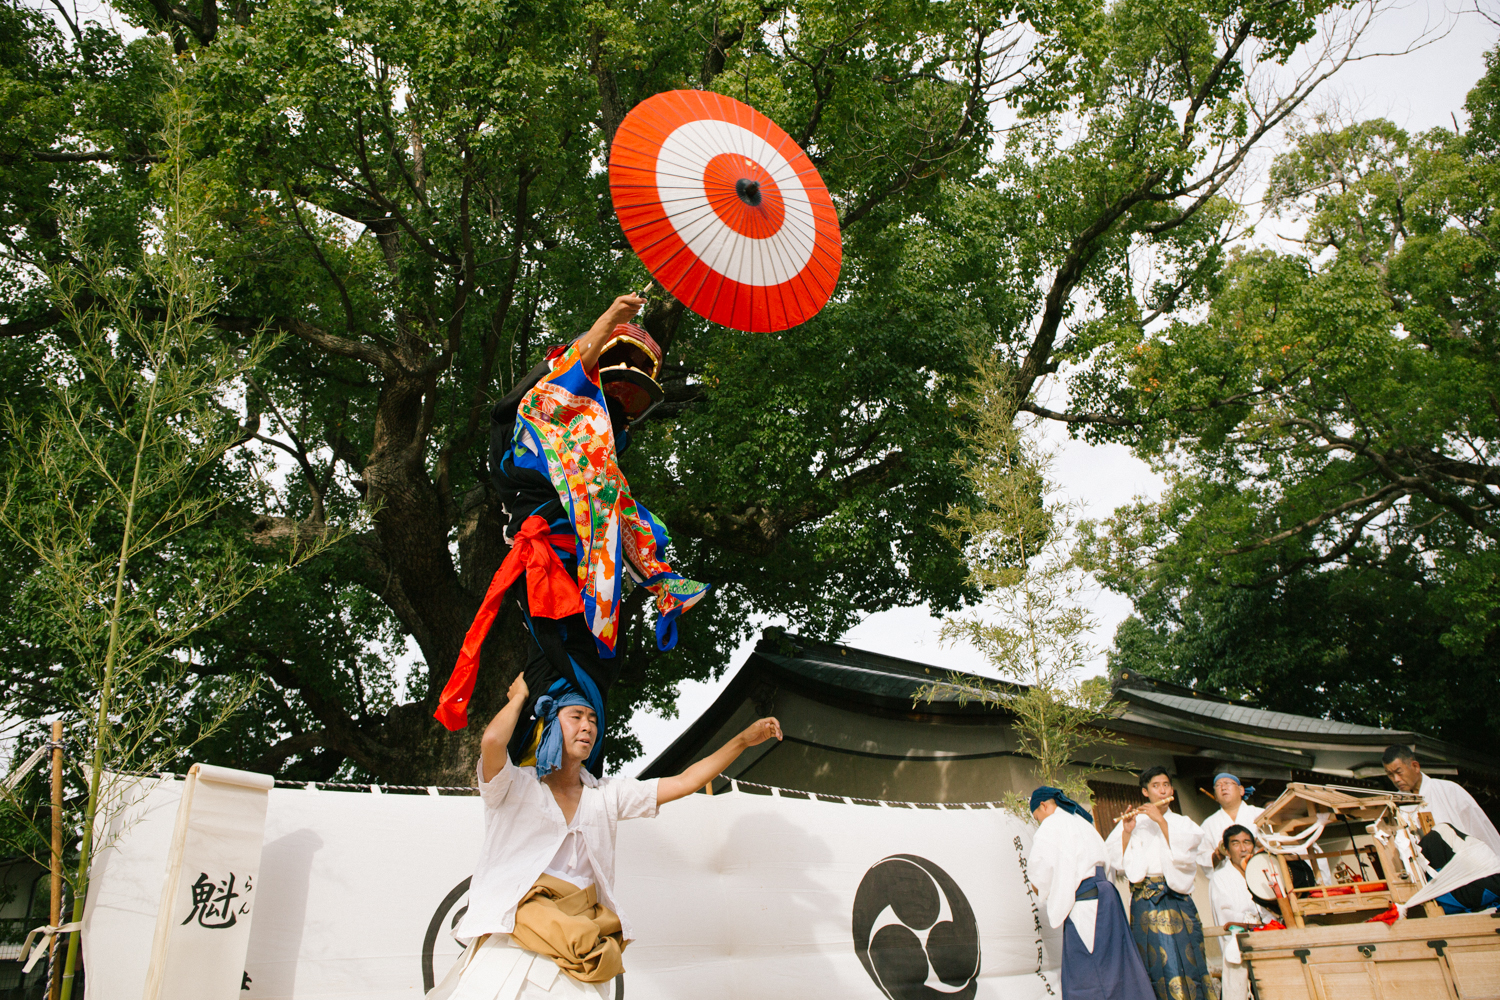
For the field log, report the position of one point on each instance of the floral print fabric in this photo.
(563, 430)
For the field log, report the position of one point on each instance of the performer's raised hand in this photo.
(759, 731)
(493, 744)
(710, 767)
(621, 310)
(518, 690)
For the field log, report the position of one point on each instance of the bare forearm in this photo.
(701, 773)
(496, 739)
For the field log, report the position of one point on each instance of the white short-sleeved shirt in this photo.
(524, 830)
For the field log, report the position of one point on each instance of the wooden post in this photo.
(53, 965)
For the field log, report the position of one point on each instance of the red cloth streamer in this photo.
(1389, 916)
(551, 592)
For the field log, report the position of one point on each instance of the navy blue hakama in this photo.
(1113, 970)
(1169, 934)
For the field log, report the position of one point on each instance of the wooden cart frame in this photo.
(1430, 958)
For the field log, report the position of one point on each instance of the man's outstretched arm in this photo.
(496, 739)
(709, 768)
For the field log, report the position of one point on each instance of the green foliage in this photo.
(1329, 435)
(411, 194)
(1032, 627)
(112, 495)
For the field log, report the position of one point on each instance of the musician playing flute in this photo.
(1066, 869)
(1157, 850)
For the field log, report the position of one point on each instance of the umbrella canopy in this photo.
(725, 211)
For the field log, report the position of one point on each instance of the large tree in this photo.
(412, 193)
(1331, 437)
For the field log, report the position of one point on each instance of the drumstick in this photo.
(1205, 791)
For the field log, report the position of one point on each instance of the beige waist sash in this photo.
(570, 926)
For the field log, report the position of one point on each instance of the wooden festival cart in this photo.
(1330, 949)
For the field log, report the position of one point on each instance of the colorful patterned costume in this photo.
(556, 471)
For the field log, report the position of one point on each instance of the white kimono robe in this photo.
(1065, 850)
(1450, 803)
(1149, 853)
(1214, 827)
(1233, 904)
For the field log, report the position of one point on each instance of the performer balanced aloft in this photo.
(1066, 868)
(543, 920)
(574, 527)
(1158, 851)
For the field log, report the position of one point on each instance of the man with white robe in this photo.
(1230, 793)
(1157, 851)
(1233, 904)
(1446, 800)
(1066, 868)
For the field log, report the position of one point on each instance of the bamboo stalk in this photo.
(54, 967)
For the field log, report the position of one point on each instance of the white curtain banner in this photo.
(736, 895)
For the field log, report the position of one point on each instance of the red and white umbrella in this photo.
(725, 211)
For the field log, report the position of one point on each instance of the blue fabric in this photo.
(1113, 971)
(1063, 802)
(1169, 937)
(1233, 778)
(549, 751)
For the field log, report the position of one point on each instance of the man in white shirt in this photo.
(1233, 904)
(542, 920)
(1446, 800)
(1157, 851)
(1230, 793)
(1066, 869)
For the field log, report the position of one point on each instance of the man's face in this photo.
(1406, 775)
(1158, 789)
(1228, 792)
(1240, 847)
(580, 728)
(1047, 808)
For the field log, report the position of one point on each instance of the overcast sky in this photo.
(1417, 90)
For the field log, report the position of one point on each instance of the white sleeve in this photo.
(1207, 844)
(493, 792)
(631, 798)
(1186, 842)
(1474, 822)
(1114, 851)
(1217, 902)
(1041, 867)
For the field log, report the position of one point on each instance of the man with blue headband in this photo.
(543, 922)
(1230, 793)
(1066, 869)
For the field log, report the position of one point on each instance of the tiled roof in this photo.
(1257, 718)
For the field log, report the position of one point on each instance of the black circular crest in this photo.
(914, 931)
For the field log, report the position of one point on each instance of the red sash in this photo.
(551, 592)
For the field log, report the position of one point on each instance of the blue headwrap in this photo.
(1233, 778)
(1063, 802)
(549, 751)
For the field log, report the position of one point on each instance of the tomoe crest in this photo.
(914, 931)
